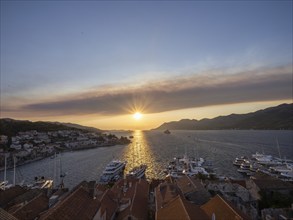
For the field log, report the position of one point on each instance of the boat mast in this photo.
(5, 167)
(278, 147)
(54, 178)
(14, 160)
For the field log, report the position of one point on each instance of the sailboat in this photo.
(5, 184)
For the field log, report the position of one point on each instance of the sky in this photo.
(96, 63)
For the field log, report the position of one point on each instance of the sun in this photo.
(137, 115)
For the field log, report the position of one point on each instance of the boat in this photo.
(187, 166)
(239, 160)
(245, 168)
(138, 172)
(174, 174)
(130, 136)
(5, 185)
(287, 174)
(167, 132)
(194, 170)
(42, 183)
(112, 171)
(265, 159)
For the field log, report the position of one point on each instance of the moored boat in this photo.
(239, 160)
(138, 172)
(112, 171)
(167, 132)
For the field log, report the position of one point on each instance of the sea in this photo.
(156, 149)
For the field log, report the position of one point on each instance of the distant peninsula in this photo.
(273, 118)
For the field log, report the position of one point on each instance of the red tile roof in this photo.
(222, 209)
(78, 205)
(179, 208)
(9, 194)
(109, 205)
(138, 209)
(264, 182)
(33, 208)
(6, 215)
(164, 193)
(193, 190)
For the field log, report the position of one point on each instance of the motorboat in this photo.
(167, 132)
(245, 168)
(5, 185)
(138, 172)
(265, 159)
(186, 166)
(113, 169)
(239, 160)
(41, 183)
(194, 170)
(174, 174)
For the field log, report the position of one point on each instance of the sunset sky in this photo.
(96, 63)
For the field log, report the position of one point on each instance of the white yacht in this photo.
(112, 171)
(265, 159)
(138, 172)
(245, 168)
(194, 169)
(187, 166)
(239, 160)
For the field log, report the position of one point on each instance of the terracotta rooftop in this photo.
(25, 197)
(164, 193)
(139, 202)
(33, 208)
(9, 194)
(222, 209)
(6, 215)
(78, 205)
(193, 190)
(124, 188)
(264, 181)
(186, 185)
(108, 204)
(179, 208)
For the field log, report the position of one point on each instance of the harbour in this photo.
(156, 149)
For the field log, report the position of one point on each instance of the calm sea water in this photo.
(156, 149)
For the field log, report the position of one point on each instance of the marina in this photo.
(156, 150)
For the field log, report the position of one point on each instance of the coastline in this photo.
(9, 167)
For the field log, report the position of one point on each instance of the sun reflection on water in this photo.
(139, 152)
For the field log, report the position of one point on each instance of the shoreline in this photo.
(60, 151)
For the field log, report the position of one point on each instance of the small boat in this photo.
(5, 185)
(138, 172)
(238, 161)
(265, 159)
(130, 136)
(174, 174)
(42, 183)
(245, 168)
(114, 168)
(167, 132)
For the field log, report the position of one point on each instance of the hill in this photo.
(11, 127)
(273, 118)
(72, 125)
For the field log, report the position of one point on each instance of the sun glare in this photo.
(137, 115)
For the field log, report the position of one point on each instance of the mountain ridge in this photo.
(11, 127)
(272, 118)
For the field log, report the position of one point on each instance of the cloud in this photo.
(214, 87)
